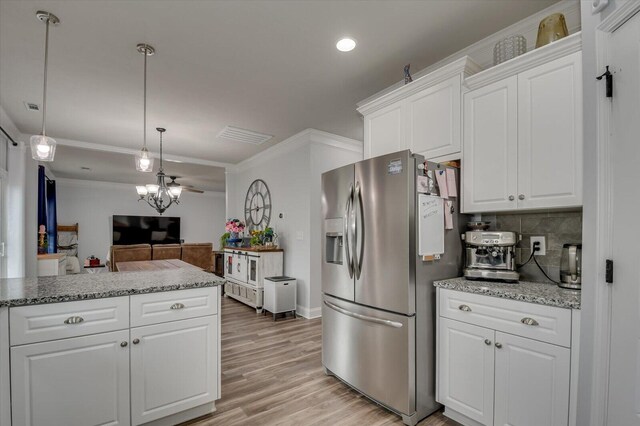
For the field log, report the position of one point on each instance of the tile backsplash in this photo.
(558, 228)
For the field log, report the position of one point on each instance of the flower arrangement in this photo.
(234, 226)
(260, 238)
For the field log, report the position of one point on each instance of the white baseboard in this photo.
(309, 313)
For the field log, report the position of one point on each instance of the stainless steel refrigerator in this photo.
(378, 311)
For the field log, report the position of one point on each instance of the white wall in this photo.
(92, 204)
(292, 171)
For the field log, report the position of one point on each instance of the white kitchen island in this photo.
(117, 348)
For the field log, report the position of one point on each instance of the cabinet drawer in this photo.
(553, 323)
(161, 307)
(40, 323)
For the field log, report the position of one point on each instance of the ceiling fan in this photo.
(188, 188)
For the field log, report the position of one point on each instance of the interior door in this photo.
(173, 367)
(531, 382)
(465, 369)
(80, 381)
(337, 197)
(624, 381)
(384, 253)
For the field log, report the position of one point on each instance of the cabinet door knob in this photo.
(529, 321)
(136, 341)
(124, 344)
(521, 197)
(498, 345)
(74, 320)
(177, 306)
(511, 198)
(464, 308)
(487, 342)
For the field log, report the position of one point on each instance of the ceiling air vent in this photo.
(30, 106)
(241, 135)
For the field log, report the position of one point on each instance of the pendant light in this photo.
(144, 161)
(43, 148)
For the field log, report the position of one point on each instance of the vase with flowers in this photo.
(235, 227)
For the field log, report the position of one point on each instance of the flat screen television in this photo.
(145, 230)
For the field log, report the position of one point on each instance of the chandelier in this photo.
(160, 195)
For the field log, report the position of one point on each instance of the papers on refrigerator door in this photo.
(451, 182)
(430, 225)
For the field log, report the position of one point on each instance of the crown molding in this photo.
(619, 16)
(548, 53)
(482, 51)
(464, 66)
(297, 141)
(100, 184)
(120, 150)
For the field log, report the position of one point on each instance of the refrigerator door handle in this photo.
(347, 215)
(388, 323)
(358, 247)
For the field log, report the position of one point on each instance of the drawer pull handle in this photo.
(464, 308)
(124, 344)
(74, 320)
(177, 306)
(529, 321)
(136, 341)
(487, 342)
(498, 345)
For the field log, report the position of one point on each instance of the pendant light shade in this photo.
(144, 161)
(43, 148)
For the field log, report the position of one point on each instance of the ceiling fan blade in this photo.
(197, 191)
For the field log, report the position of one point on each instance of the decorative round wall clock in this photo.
(257, 205)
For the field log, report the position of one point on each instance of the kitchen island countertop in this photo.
(524, 291)
(65, 288)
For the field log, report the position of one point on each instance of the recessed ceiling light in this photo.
(346, 44)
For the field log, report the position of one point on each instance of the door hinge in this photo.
(608, 78)
(609, 271)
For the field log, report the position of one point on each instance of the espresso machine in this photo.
(491, 255)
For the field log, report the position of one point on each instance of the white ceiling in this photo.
(117, 167)
(267, 66)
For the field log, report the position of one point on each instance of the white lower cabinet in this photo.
(487, 376)
(173, 367)
(90, 367)
(466, 369)
(531, 382)
(72, 382)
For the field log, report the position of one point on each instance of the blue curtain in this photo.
(42, 203)
(47, 214)
(52, 217)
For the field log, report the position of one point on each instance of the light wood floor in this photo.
(272, 375)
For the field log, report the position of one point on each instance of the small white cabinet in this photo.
(72, 382)
(466, 375)
(531, 382)
(384, 130)
(246, 270)
(173, 367)
(522, 137)
(487, 375)
(424, 116)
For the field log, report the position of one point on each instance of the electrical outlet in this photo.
(543, 245)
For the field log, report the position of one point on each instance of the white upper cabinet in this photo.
(384, 131)
(424, 116)
(550, 134)
(489, 167)
(522, 133)
(434, 125)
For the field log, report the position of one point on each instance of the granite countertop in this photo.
(33, 291)
(524, 291)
